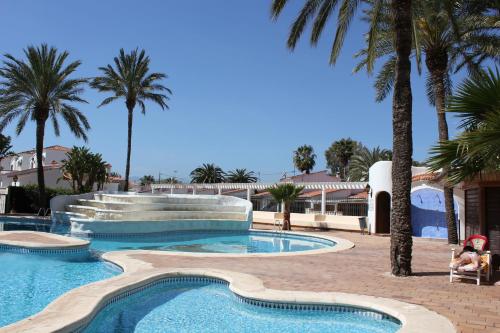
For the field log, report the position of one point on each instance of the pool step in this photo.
(148, 199)
(168, 215)
(164, 206)
(152, 215)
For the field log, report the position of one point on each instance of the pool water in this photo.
(214, 242)
(191, 307)
(30, 282)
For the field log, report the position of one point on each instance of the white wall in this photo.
(380, 180)
(51, 179)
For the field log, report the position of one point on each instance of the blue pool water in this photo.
(190, 307)
(214, 242)
(30, 282)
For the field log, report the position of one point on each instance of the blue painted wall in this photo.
(428, 213)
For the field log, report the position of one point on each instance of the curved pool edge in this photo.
(76, 308)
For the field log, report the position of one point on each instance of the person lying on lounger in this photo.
(467, 260)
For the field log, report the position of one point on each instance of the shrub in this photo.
(24, 199)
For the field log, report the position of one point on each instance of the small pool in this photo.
(181, 306)
(214, 242)
(29, 282)
(29, 223)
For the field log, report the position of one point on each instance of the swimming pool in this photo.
(30, 282)
(214, 242)
(207, 305)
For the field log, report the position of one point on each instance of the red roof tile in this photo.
(316, 193)
(58, 148)
(360, 195)
(430, 176)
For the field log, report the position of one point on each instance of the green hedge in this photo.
(25, 199)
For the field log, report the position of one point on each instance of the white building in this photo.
(21, 169)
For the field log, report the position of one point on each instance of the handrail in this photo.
(43, 211)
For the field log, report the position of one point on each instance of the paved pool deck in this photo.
(364, 270)
(40, 240)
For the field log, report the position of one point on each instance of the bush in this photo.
(24, 199)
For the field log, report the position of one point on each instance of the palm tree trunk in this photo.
(401, 241)
(129, 144)
(40, 133)
(438, 77)
(286, 217)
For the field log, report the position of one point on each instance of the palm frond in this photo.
(385, 79)
(346, 13)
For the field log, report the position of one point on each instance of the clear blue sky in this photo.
(240, 98)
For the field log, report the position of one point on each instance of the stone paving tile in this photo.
(365, 270)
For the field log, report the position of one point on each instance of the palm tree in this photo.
(364, 159)
(319, 11)
(241, 176)
(131, 80)
(85, 169)
(170, 180)
(477, 149)
(37, 89)
(451, 35)
(339, 154)
(5, 146)
(285, 194)
(304, 158)
(146, 180)
(208, 173)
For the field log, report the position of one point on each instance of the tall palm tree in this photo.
(208, 173)
(285, 194)
(339, 154)
(477, 149)
(131, 80)
(318, 11)
(450, 35)
(304, 158)
(241, 176)
(39, 88)
(364, 159)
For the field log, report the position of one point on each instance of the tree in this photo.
(114, 174)
(285, 194)
(451, 34)
(5, 146)
(319, 11)
(339, 154)
(241, 176)
(147, 180)
(477, 148)
(37, 89)
(170, 180)
(402, 143)
(85, 169)
(304, 158)
(131, 80)
(207, 173)
(363, 159)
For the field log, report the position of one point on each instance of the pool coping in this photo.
(49, 241)
(76, 308)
